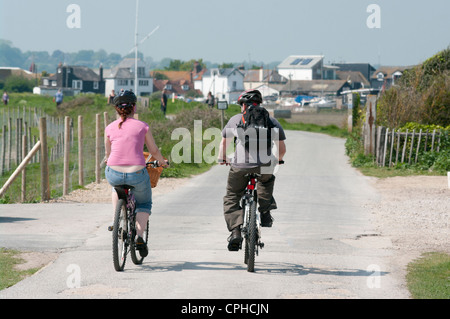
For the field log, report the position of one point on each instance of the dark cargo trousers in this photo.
(237, 182)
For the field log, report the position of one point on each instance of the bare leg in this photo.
(114, 199)
(141, 223)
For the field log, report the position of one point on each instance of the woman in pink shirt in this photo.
(124, 145)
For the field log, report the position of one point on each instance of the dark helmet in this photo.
(124, 99)
(251, 97)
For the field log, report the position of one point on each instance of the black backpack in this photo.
(255, 127)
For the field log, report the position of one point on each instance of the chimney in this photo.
(101, 72)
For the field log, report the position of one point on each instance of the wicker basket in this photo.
(153, 172)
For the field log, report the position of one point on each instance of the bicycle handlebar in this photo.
(155, 163)
(228, 163)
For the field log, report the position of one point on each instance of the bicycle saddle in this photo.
(122, 190)
(253, 175)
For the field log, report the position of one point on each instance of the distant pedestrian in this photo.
(164, 102)
(112, 95)
(5, 98)
(58, 98)
(210, 100)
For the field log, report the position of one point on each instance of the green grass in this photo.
(331, 130)
(429, 277)
(9, 276)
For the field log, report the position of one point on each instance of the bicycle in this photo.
(124, 227)
(251, 229)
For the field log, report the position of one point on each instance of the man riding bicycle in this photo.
(250, 158)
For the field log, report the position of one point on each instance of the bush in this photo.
(422, 95)
(18, 84)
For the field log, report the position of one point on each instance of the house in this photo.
(306, 67)
(312, 87)
(364, 68)
(178, 82)
(257, 78)
(386, 76)
(73, 80)
(6, 72)
(224, 84)
(269, 93)
(354, 78)
(123, 76)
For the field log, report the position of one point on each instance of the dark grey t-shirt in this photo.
(249, 158)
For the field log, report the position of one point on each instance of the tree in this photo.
(226, 65)
(18, 84)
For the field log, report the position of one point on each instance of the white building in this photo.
(122, 77)
(302, 67)
(224, 84)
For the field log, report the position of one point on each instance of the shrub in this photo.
(422, 95)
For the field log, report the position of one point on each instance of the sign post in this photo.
(222, 105)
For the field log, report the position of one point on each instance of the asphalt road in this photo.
(322, 243)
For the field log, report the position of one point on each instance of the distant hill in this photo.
(11, 56)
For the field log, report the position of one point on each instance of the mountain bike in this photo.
(124, 227)
(251, 229)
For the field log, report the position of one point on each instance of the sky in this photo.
(393, 32)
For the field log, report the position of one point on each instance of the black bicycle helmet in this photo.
(252, 97)
(124, 99)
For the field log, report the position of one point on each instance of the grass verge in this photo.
(331, 130)
(9, 275)
(429, 276)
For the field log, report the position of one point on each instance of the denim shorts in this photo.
(140, 181)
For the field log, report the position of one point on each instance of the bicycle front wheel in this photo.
(120, 234)
(252, 239)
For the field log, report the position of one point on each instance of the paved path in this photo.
(322, 244)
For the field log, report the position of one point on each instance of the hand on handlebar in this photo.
(223, 161)
(156, 163)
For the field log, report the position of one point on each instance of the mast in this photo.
(136, 50)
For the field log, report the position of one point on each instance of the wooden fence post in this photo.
(418, 145)
(404, 146)
(392, 147)
(66, 155)
(432, 140)
(386, 138)
(411, 148)
(3, 167)
(80, 151)
(24, 171)
(371, 117)
(97, 148)
(45, 182)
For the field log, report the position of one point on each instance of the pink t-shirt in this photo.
(127, 143)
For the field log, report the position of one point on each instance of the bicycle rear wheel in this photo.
(252, 239)
(120, 234)
(135, 256)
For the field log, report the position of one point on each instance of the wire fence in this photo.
(67, 138)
